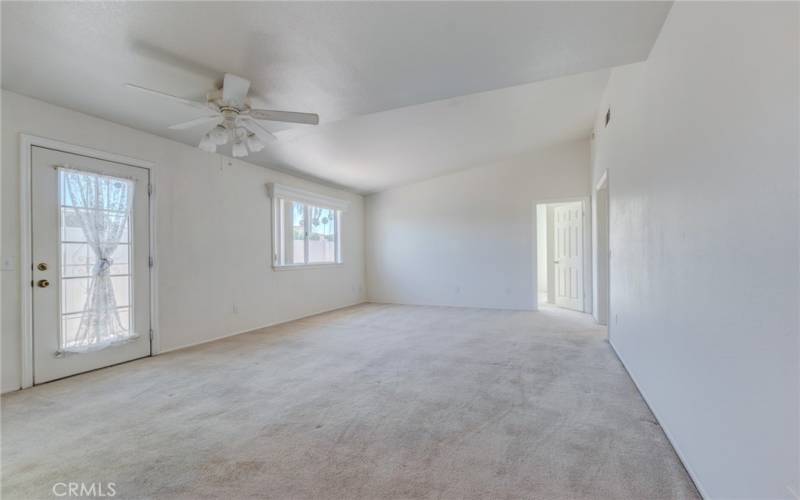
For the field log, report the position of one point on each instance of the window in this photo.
(96, 270)
(306, 228)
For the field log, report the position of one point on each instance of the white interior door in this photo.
(91, 253)
(568, 255)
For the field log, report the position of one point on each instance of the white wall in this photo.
(702, 152)
(467, 238)
(213, 233)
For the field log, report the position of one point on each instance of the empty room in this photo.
(400, 250)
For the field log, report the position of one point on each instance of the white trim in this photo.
(278, 192)
(456, 306)
(26, 261)
(275, 211)
(33, 140)
(270, 325)
(671, 440)
(27, 142)
(601, 184)
(299, 267)
(318, 200)
(155, 339)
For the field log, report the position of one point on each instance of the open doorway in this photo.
(562, 255)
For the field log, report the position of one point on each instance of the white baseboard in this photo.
(388, 302)
(201, 342)
(186, 346)
(671, 440)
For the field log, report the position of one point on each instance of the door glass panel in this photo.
(120, 265)
(298, 233)
(71, 226)
(76, 260)
(75, 291)
(121, 286)
(96, 272)
(322, 239)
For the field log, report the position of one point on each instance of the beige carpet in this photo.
(372, 401)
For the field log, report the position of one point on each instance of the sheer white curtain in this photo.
(101, 205)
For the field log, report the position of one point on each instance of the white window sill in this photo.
(299, 267)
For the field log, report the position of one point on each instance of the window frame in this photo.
(278, 193)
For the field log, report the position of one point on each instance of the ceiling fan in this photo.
(232, 118)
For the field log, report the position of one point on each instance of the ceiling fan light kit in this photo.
(243, 141)
(239, 149)
(232, 117)
(254, 144)
(207, 144)
(219, 135)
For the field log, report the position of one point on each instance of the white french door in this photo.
(568, 258)
(90, 254)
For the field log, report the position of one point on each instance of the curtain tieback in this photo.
(103, 266)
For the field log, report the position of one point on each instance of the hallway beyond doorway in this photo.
(563, 255)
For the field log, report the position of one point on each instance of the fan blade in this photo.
(188, 102)
(256, 128)
(196, 122)
(285, 116)
(234, 89)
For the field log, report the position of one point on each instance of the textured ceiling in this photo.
(405, 91)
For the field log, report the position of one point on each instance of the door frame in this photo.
(602, 250)
(27, 142)
(586, 237)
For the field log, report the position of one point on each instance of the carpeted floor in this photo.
(373, 401)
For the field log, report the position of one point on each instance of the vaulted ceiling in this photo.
(405, 91)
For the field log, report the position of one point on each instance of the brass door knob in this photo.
(43, 283)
